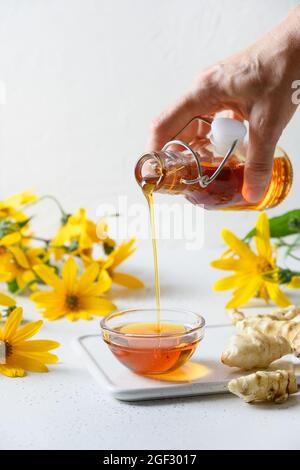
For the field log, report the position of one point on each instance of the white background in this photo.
(84, 78)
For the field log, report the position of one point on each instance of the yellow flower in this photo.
(102, 234)
(11, 207)
(77, 228)
(295, 283)
(6, 257)
(22, 355)
(20, 265)
(10, 239)
(116, 257)
(72, 297)
(253, 271)
(6, 301)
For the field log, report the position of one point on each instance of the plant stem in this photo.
(38, 239)
(294, 257)
(52, 198)
(47, 242)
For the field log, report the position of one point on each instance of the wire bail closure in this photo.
(203, 180)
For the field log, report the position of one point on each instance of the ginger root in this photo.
(290, 330)
(265, 386)
(282, 314)
(250, 349)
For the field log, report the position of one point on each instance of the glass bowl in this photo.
(147, 347)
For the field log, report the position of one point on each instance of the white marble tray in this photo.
(204, 374)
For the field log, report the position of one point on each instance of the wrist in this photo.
(278, 52)
(291, 32)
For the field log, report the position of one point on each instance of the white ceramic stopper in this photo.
(224, 131)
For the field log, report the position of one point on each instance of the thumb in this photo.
(259, 162)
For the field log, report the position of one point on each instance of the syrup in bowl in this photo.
(146, 347)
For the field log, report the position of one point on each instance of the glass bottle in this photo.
(208, 178)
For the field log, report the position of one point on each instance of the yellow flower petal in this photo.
(97, 306)
(122, 252)
(243, 294)
(10, 239)
(45, 357)
(19, 256)
(231, 282)
(127, 280)
(278, 297)
(294, 284)
(28, 276)
(20, 199)
(69, 272)
(34, 286)
(98, 288)
(20, 282)
(52, 314)
(38, 345)
(49, 299)
(7, 301)
(104, 281)
(12, 323)
(88, 277)
(27, 363)
(27, 331)
(85, 241)
(6, 277)
(238, 246)
(262, 237)
(75, 316)
(263, 293)
(48, 276)
(230, 264)
(11, 371)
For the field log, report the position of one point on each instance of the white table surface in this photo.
(65, 409)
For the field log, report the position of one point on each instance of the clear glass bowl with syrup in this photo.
(148, 346)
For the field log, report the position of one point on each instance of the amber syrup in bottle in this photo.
(165, 172)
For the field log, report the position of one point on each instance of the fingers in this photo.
(170, 122)
(198, 101)
(259, 163)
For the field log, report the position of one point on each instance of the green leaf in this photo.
(282, 225)
(74, 244)
(24, 222)
(51, 265)
(8, 310)
(13, 286)
(5, 227)
(280, 276)
(108, 248)
(8, 226)
(64, 219)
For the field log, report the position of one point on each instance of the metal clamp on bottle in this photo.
(225, 135)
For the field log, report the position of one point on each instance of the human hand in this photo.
(256, 85)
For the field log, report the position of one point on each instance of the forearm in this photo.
(289, 31)
(281, 47)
